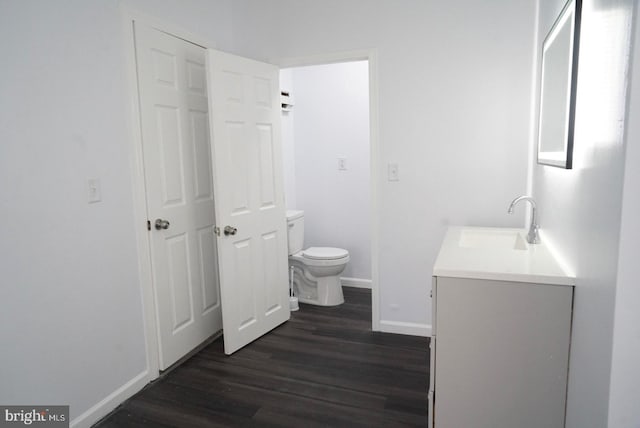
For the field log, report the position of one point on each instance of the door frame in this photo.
(136, 166)
(370, 55)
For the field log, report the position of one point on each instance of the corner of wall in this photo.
(111, 401)
(533, 116)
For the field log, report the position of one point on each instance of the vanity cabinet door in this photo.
(432, 353)
(502, 354)
(432, 372)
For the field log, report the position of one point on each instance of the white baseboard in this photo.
(110, 402)
(356, 282)
(409, 328)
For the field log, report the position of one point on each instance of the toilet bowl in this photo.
(316, 275)
(316, 270)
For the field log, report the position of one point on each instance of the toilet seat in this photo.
(324, 253)
(303, 258)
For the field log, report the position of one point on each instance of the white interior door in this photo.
(244, 99)
(178, 178)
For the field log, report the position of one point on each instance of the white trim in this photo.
(370, 55)
(139, 200)
(355, 282)
(111, 401)
(409, 328)
(129, 16)
(328, 58)
(375, 176)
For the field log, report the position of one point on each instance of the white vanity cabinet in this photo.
(500, 343)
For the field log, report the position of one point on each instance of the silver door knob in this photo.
(229, 230)
(162, 224)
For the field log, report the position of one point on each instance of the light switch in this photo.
(342, 164)
(94, 193)
(393, 172)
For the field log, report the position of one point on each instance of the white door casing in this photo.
(248, 183)
(178, 179)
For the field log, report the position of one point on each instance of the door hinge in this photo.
(148, 224)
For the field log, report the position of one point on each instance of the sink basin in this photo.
(492, 239)
(500, 254)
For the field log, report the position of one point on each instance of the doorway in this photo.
(327, 145)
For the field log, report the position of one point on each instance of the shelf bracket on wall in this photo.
(286, 101)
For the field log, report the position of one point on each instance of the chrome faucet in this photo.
(532, 236)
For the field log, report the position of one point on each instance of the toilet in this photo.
(316, 270)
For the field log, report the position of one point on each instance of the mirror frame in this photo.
(570, 15)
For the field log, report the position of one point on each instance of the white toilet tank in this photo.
(295, 230)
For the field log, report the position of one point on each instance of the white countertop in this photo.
(497, 254)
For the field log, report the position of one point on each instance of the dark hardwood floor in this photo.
(323, 368)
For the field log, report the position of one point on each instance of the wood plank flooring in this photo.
(323, 368)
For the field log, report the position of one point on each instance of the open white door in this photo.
(244, 106)
(177, 168)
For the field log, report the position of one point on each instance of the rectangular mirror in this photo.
(558, 88)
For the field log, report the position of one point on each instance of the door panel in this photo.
(209, 275)
(267, 185)
(203, 181)
(248, 184)
(174, 117)
(170, 145)
(180, 279)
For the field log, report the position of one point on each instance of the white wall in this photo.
(454, 94)
(288, 143)
(580, 208)
(331, 120)
(624, 394)
(71, 323)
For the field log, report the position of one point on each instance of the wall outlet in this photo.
(342, 164)
(94, 193)
(393, 172)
